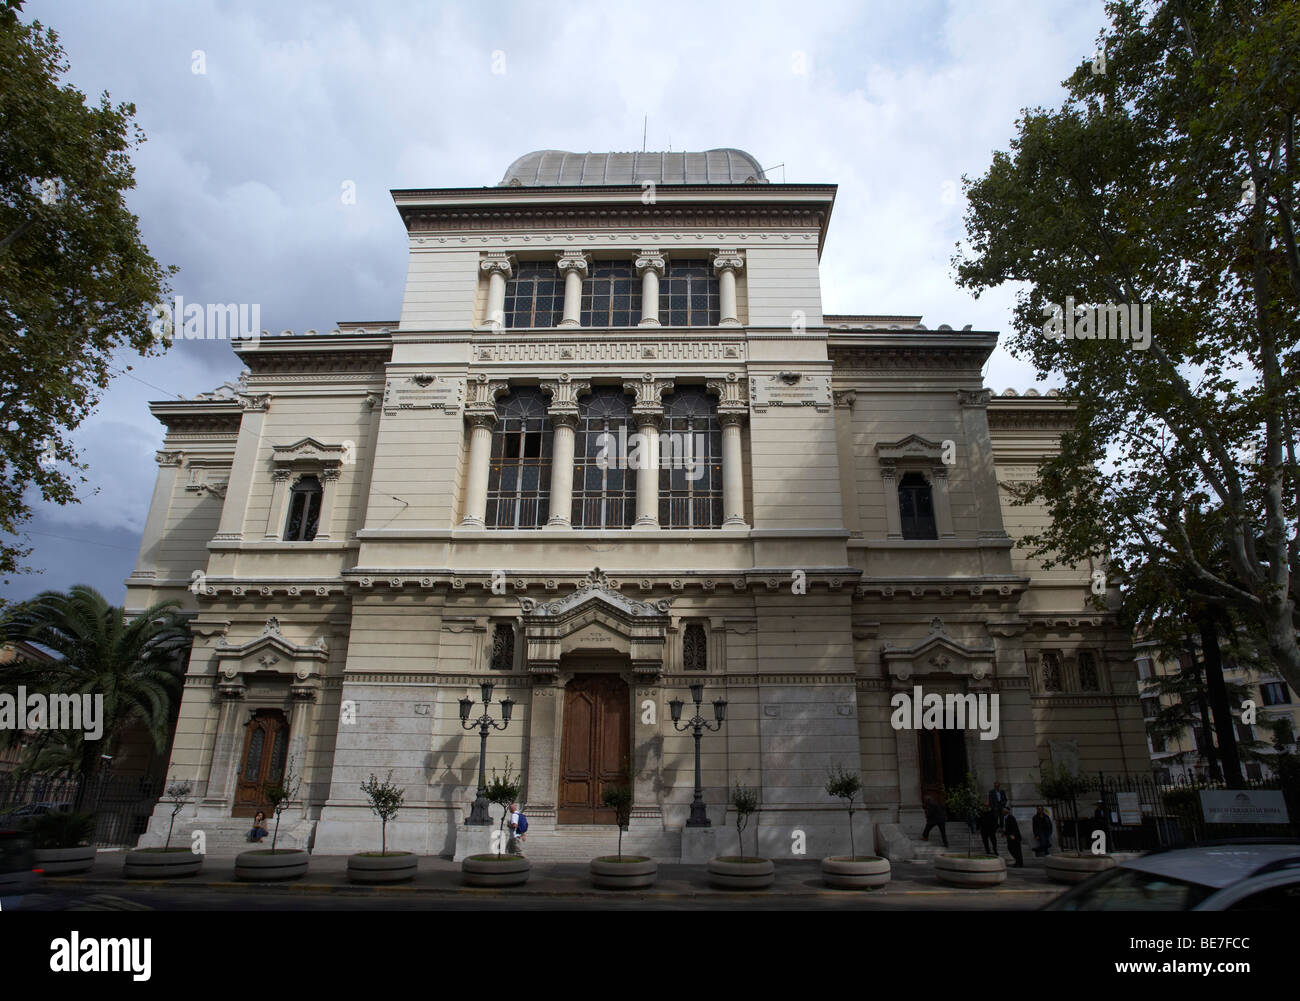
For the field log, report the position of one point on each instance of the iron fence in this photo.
(1143, 813)
(122, 805)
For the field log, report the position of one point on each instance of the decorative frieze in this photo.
(612, 349)
(790, 389)
(424, 391)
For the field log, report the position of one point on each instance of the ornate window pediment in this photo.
(308, 452)
(938, 653)
(912, 450)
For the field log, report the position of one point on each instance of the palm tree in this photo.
(135, 663)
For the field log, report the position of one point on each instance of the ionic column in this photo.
(650, 266)
(169, 463)
(225, 754)
(893, 516)
(498, 269)
(574, 269)
(304, 700)
(480, 457)
(940, 501)
(648, 413)
(727, 264)
(733, 479)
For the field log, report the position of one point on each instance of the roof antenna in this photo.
(645, 122)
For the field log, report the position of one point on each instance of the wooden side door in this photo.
(595, 746)
(266, 742)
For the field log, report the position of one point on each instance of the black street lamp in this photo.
(478, 814)
(699, 818)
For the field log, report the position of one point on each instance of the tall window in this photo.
(604, 489)
(534, 296)
(916, 507)
(519, 477)
(688, 295)
(304, 510)
(503, 647)
(690, 461)
(1050, 668)
(1089, 677)
(695, 651)
(611, 295)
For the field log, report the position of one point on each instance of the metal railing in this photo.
(122, 805)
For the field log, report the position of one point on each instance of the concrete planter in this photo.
(729, 872)
(959, 870)
(263, 864)
(495, 870)
(161, 863)
(65, 861)
(860, 873)
(632, 872)
(391, 867)
(1075, 867)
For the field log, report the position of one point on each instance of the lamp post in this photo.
(478, 814)
(699, 818)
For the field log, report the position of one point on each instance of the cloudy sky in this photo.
(258, 115)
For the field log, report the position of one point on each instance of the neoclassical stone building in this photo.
(378, 519)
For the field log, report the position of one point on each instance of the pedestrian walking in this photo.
(935, 816)
(1011, 829)
(989, 831)
(1042, 827)
(518, 824)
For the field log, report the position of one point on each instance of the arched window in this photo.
(690, 461)
(916, 507)
(519, 476)
(611, 295)
(534, 295)
(695, 650)
(1050, 671)
(304, 510)
(688, 295)
(604, 488)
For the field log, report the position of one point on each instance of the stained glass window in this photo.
(304, 510)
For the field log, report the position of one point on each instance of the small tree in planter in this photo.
(64, 841)
(176, 794)
(845, 785)
(745, 801)
(385, 866)
(385, 800)
(280, 794)
(963, 802)
(619, 799)
(502, 791)
(1064, 787)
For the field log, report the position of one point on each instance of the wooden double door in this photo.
(266, 742)
(595, 746)
(943, 762)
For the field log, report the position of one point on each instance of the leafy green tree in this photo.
(385, 800)
(1170, 180)
(176, 794)
(135, 663)
(619, 799)
(76, 280)
(280, 792)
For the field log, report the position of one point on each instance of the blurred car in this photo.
(16, 861)
(31, 810)
(1240, 876)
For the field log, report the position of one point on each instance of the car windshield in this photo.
(1133, 890)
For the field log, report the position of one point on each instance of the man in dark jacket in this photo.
(989, 831)
(935, 816)
(1011, 829)
(997, 802)
(1042, 832)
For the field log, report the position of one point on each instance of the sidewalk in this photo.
(328, 874)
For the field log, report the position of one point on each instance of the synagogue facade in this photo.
(611, 448)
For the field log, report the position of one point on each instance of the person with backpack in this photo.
(518, 825)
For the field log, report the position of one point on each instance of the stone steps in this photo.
(582, 843)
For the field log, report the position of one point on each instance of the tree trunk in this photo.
(1218, 696)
